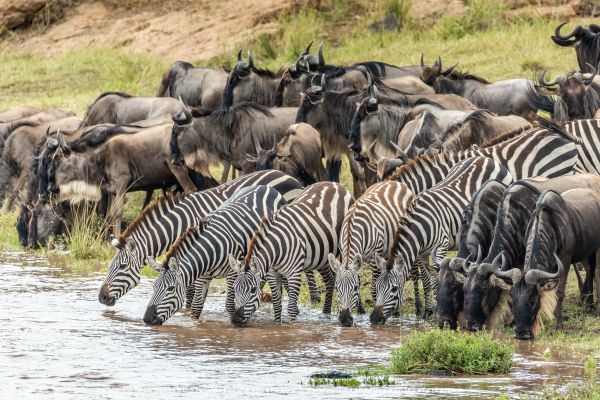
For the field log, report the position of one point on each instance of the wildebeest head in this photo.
(309, 111)
(44, 219)
(586, 43)
(365, 114)
(430, 73)
(450, 294)
(264, 157)
(577, 97)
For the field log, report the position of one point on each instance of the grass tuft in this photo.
(452, 351)
(87, 234)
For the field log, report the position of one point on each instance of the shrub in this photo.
(481, 15)
(452, 351)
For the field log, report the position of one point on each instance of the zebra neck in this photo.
(432, 171)
(207, 254)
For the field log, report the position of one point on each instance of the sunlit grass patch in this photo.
(88, 234)
(8, 232)
(456, 352)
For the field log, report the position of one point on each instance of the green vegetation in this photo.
(589, 390)
(346, 382)
(87, 234)
(8, 233)
(456, 352)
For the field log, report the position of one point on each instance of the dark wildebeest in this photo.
(586, 43)
(563, 229)
(124, 163)
(197, 87)
(122, 108)
(578, 96)
(483, 288)
(505, 97)
(17, 113)
(297, 154)
(474, 238)
(229, 135)
(19, 150)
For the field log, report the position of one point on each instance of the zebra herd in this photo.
(265, 227)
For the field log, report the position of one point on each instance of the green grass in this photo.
(9, 239)
(345, 382)
(456, 352)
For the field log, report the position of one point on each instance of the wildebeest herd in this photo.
(440, 159)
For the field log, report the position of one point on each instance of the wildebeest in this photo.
(474, 238)
(19, 150)
(230, 135)
(578, 97)
(122, 164)
(503, 97)
(298, 154)
(17, 113)
(586, 43)
(484, 294)
(563, 229)
(197, 87)
(122, 108)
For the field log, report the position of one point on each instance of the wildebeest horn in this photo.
(542, 81)
(320, 58)
(399, 152)
(422, 61)
(307, 49)
(535, 276)
(439, 64)
(153, 264)
(371, 153)
(251, 158)
(589, 78)
(250, 59)
(479, 254)
(257, 145)
(457, 266)
(569, 36)
(375, 91)
(323, 81)
(513, 274)
(397, 148)
(61, 140)
(239, 56)
(48, 131)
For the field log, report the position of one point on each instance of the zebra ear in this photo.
(334, 264)
(234, 264)
(173, 265)
(153, 264)
(356, 261)
(115, 242)
(129, 244)
(381, 263)
(254, 264)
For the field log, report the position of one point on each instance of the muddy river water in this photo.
(57, 341)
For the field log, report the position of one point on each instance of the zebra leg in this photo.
(294, 282)
(375, 272)
(329, 279)
(274, 280)
(360, 308)
(414, 277)
(315, 296)
(201, 289)
(426, 281)
(230, 299)
(189, 295)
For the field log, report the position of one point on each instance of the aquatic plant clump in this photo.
(451, 351)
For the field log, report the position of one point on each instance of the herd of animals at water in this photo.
(441, 160)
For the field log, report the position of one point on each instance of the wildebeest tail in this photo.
(202, 181)
(539, 101)
(176, 156)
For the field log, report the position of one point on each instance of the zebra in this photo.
(430, 226)
(368, 230)
(201, 253)
(588, 133)
(475, 238)
(545, 151)
(161, 223)
(298, 238)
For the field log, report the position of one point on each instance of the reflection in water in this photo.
(57, 341)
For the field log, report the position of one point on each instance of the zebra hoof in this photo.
(195, 315)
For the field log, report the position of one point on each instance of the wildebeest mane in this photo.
(454, 74)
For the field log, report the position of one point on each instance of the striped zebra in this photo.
(430, 226)
(588, 133)
(368, 230)
(299, 238)
(546, 151)
(201, 253)
(161, 223)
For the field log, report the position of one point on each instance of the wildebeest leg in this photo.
(358, 177)
(183, 177)
(586, 288)
(315, 296)
(560, 296)
(225, 174)
(335, 167)
(200, 290)
(597, 283)
(329, 280)
(148, 198)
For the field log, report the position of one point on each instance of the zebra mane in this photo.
(402, 221)
(417, 162)
(346, 243)
(192, 232)
(169, 199)
(507, 136)
(252, 243)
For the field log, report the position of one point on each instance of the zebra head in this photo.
(347, 285)
(169, 292)
(123, 272)
(388, 288)
(246, 289)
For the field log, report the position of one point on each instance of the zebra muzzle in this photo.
(377, 316)
(345, 317)
(104, 296)
(151, 317)
(239, 317)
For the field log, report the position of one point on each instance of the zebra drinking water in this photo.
(201, 253)
(161, 223)
(297, 239)
(430, 226)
